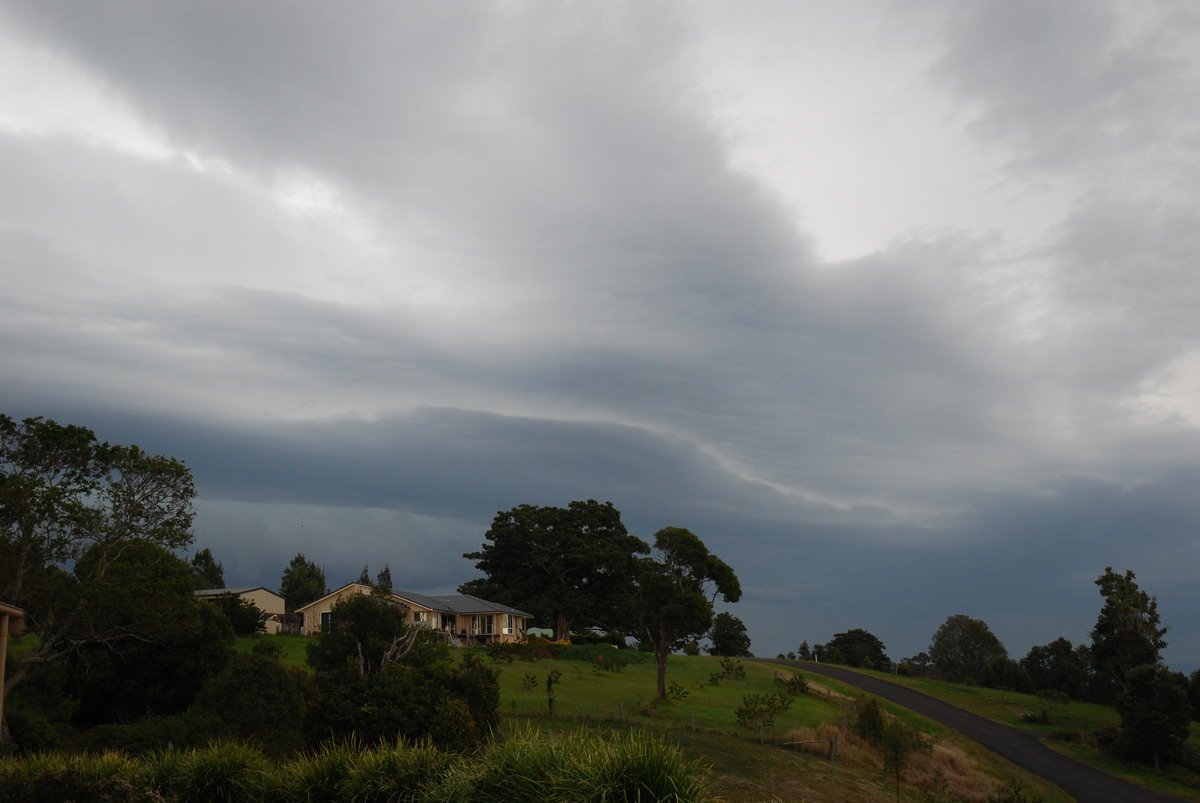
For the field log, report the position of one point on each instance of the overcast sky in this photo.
(894, 304)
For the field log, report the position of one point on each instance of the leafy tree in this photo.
(804, 653)
(182, 641)
(365, 577)
(962, 647)
(676, 589)
(244, 616)
(1127, 632)
(383, 580)
(380, 678)
(64, 494)
(1155, 715)
(1060, 666)
(728, 636)
(898, 744)
(566, 566)
(857, 648)
(1194, 693)
(367, 632)
(303, 582)
(207, 572)
(1005, 673)
(257, 699)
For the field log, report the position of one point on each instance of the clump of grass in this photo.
(318, 777)
(46, 778)
(397, 773)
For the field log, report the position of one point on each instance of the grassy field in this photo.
(753, 766)
(1011, 708)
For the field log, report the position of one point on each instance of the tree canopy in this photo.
(68, 499)
(856, 648)
(728, 636)
(963, 647)
(675, 592)
(1127, 632)
(566, 566)
(207, 571)
(302, 582)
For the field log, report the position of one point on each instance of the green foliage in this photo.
(868, 723)
(220, 772)
(612, 661)
(1127, 632)
(54, 778)
(1005, 673)
(898, 743)
(728, 636)
(563, 565)
(963, 647)
(1155, 716)
(207, 571)
(396, 772)
(675, 591)
(794, 684)
(64, 497)
(368, 632)
(244, 616)
(182, 642)
(256, 699)
(759, 710)
(857, 648)
(1060, 666)
(1014, 792)
(302, 582)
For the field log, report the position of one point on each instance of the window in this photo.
(324, 621)
(484, 625)
(510, 623)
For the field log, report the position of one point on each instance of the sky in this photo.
(892, 303)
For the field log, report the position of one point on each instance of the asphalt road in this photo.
(1084, 783)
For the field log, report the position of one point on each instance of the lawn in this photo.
(1010, 708)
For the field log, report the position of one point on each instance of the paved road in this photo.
(1085, 784)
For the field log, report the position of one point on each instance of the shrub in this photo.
(397, 773)
(760, 710)
(869, 723)
(222, 772)
(47, 778)
(319, 776)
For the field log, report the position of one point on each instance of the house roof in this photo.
(216, 592)
(448, 603)
(16, 618)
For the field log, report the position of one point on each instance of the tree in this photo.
(257, 699)
(176, 642)
(1059, 666)
(566, 566)
(898, 743)
(244, 616)
(1155, 715)
(728, 636)
(962, 647)
(64, 494)
(804, 653)
(1127, 632)
(303, 582)
(858, 648)
(366, 631)
(207, 572)
(383, 580)
(365, 577)
(675, 593)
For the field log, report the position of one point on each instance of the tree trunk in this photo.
(562, 626)
(660, 655)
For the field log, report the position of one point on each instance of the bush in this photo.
(397, 773)
(869, 722)
(49, 778)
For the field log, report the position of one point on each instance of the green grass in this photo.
(1010, 708)
(294, 648)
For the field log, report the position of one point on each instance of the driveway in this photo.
(1084, 783)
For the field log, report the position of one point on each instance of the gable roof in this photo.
(463, 604)
(216, 592)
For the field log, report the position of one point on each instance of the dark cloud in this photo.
(376, 276)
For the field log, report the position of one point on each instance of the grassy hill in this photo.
(790, 760)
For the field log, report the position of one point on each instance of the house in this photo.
(12, 620)
(264, 599)
(463, 618)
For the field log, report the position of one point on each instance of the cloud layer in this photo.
(894, 306)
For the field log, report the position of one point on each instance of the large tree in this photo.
(63, 493)
(1128, 633)
(207, 571)
(566, 566)
(302, 582)
(728, 636)
(963, 647)
(676, 589)
(857, 648)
